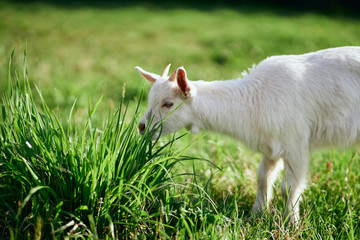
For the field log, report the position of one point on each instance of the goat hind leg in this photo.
(267, 173)
(293, 184)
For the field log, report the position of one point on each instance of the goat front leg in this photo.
(293, 183)
(267, 173)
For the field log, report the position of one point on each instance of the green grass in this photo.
(91, 182)
(72, 166)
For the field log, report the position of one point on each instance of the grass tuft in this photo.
(63, 180)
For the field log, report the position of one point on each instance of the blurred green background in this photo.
(88, 49)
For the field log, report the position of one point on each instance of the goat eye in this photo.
(168, 104)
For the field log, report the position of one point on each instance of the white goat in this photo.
(285, 107)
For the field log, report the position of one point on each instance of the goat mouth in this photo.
(155, 135)
(152, 131)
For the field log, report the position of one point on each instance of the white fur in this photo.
(285, 107)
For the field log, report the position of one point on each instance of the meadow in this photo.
(72, 164)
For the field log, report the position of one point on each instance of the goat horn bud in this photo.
(166, 71)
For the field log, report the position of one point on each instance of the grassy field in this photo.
(73, 168)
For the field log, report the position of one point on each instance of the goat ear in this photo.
(182, 82)
(152, 77)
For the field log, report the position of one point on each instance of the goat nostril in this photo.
(142, 128)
